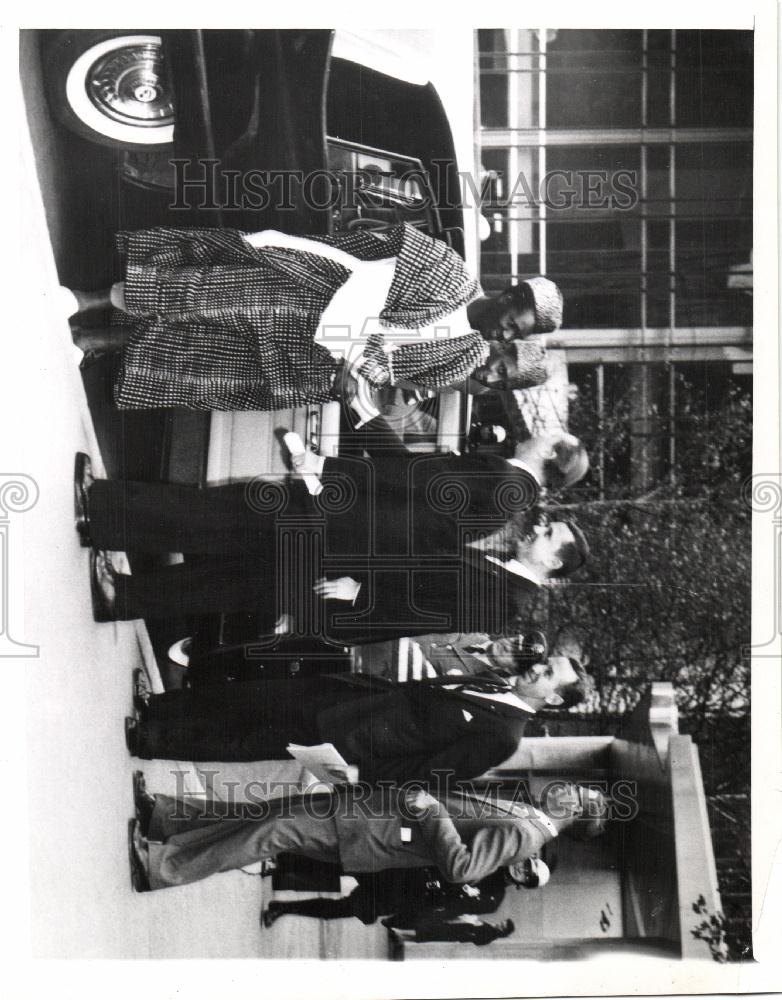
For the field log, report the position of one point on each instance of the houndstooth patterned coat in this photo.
(218, 324)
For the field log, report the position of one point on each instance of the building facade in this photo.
(619, 163)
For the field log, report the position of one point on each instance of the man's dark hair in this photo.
(573, 554)
(575, 693)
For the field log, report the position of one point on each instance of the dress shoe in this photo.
(83, 355)
(139, 866)
(130, 735)
(102, 586)
(141, 691)
(143, 802)
(82, 481)
(270, 915)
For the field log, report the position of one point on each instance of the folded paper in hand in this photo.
(325, 763)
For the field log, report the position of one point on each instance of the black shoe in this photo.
(130, 735)
(270, 915)
(82, 481)
(141, 692)
(102, 586)
(139, 875)
(143, 801)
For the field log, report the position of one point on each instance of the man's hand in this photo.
(339, 775)
(419, 801)
(563, 801)
(344, 588)
(285, 624)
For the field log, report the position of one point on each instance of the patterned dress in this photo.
(218, 324)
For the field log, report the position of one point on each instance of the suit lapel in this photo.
(475, 703)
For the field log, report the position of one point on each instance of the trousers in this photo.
(188, 842)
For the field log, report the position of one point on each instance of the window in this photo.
(624, 172)
(625, 160)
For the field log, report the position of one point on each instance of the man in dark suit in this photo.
(395, 502)
(176, 842)
(421, 731)
(411, 544)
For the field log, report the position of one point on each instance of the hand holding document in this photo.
(298, 452)
(325, 763)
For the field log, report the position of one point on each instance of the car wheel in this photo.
(112, 87)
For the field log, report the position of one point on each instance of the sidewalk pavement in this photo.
(77, 691)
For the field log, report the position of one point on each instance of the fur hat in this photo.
(530, 364)
(547, 300)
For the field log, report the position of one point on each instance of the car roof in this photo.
(443, 57)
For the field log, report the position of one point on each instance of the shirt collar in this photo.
(520, 464)
(517, 569)
(506, 697)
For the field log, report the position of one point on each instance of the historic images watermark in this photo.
(611, 801)
(18, 493)
(762, 493)
(301, 551)
(205, 183)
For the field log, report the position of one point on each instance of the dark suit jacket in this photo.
(417, 732)
(465, 594)
(398, 524)
(398, 732)
(407, 504)
(398, 503)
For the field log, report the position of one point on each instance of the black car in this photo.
(303, 131)
(255, 129)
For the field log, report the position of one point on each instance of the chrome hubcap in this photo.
(130, 85)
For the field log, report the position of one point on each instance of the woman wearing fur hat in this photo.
(221, 320)
(533, 306)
